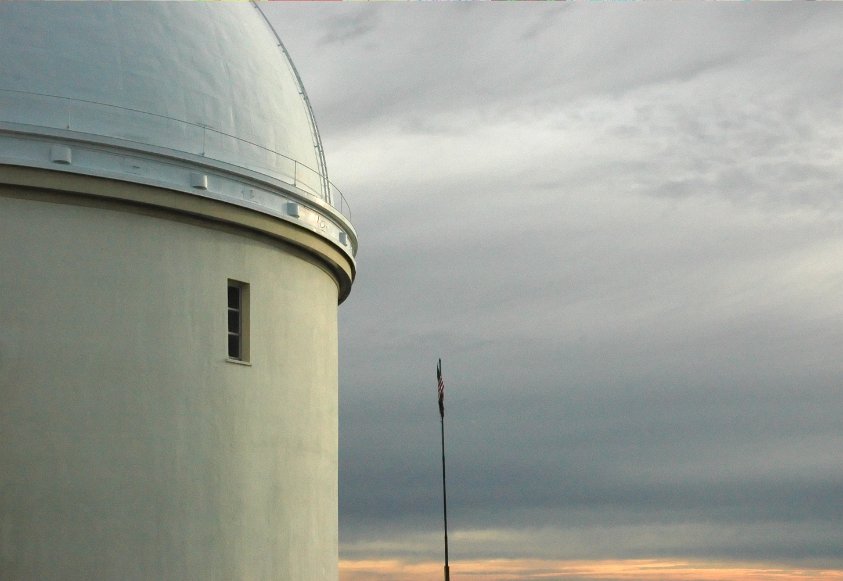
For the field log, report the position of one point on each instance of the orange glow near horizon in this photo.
(605, 570)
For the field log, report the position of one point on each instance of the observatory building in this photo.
(172, 255)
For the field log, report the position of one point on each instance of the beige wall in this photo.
(129, 447)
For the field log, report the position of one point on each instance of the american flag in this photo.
(441, 389)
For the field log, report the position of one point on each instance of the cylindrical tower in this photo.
(171, 260)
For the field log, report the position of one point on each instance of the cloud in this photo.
(620, 228)
(346, 28)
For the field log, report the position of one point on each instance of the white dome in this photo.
(199, 85)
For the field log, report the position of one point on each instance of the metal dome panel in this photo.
(168, 83)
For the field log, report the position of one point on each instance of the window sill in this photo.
(238, 361)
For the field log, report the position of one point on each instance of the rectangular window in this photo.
(238, 320)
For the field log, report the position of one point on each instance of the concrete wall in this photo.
(130, 448)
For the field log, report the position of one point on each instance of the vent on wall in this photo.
(60, 154)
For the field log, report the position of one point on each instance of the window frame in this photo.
(237, 321)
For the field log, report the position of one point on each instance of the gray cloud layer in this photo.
(620, 226)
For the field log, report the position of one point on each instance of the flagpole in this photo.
(445, 500)
(441, 390)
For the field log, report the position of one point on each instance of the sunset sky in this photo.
(621, 227)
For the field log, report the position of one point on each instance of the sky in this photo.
(621, 228)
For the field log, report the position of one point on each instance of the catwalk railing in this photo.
(140, 127)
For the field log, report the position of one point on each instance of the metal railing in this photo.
(141, 127)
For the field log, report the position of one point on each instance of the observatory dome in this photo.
(200, 98)
(172, 255)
